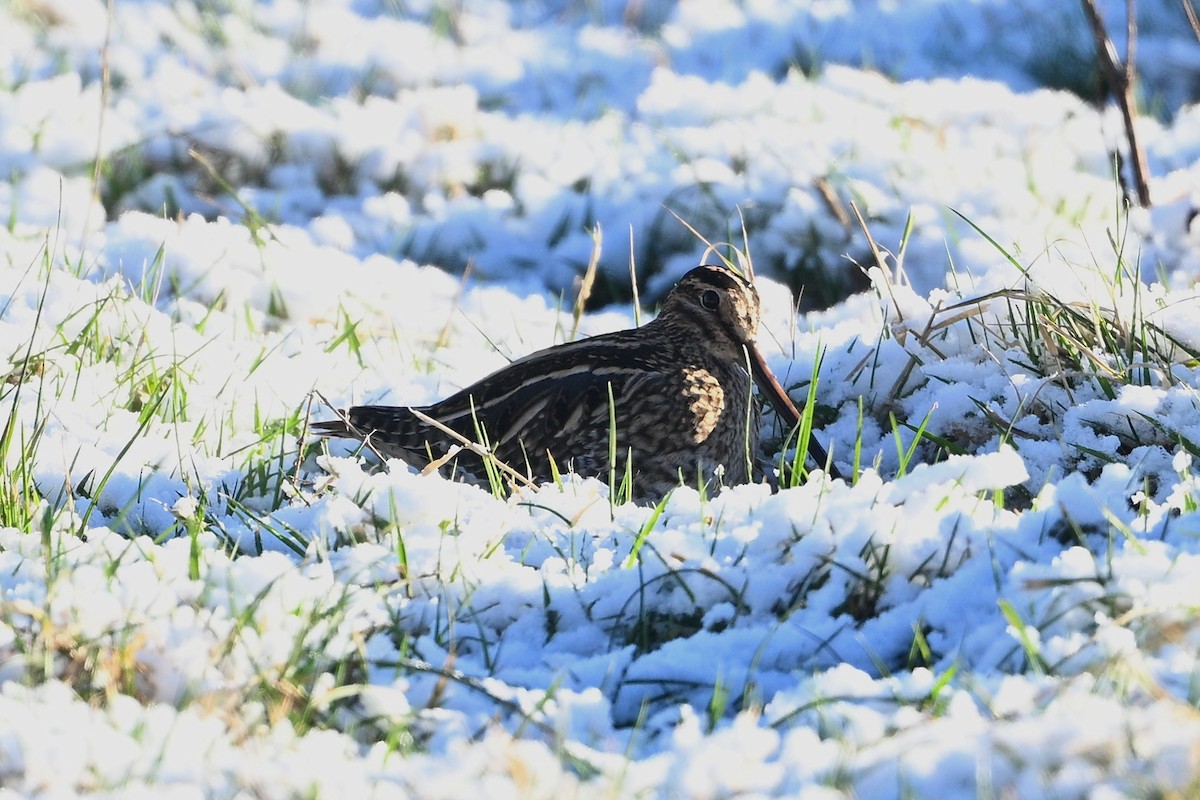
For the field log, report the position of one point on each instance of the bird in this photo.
(669, 403)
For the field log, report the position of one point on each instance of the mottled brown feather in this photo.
(680, 394)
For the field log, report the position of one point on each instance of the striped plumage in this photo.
(678, 389)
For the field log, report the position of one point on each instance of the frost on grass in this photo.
(195, 598)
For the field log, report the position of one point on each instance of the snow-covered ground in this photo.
(215, 210)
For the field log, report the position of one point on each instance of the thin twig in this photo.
(585, 285)
(1121, 80)
(637, 303)
(105, 88)
(474, 447)
(1193, 20)
(877, 254)
(352, 432)
(833, 203)
(746, 245)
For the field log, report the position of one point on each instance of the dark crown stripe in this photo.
(721, 278)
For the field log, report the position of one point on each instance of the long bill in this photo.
(784, 407)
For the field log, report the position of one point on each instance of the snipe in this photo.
(676, 391)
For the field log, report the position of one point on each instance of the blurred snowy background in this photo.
(212, 209)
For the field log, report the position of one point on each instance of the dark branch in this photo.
(1193, 20)
(1120, 80)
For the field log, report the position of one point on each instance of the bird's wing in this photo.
(569, 417)
(555, 401)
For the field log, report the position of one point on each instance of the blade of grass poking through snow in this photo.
(1028, 641)
(626, 488)
(718, 701)
(18, 492)
(791, 473)
(401, 548)
(348, 335)
(495, 482)
(798, 469)
(746, 244)
(709, 247)
(939, 687)
(285, 534)
(999, 248)
(637, 304)
(19, 497)
(612, 450)
(644, 532)
(148, 415)
(251, 219)
(810, 405)
(540, 707)
(750, 421)
(856, 469)
(1120, 526)
(477, 686)
(555, 473)
(586, 284)
(193, 525)
(905, 455)
(920, 654)
(283, 428)
(905, 235)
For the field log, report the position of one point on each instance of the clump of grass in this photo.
(21, 501)
(1085, 347)
(1109, 345)
(793, 467)
(19, 495)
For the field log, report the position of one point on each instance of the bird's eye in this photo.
(710, 299)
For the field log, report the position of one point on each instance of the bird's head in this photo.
(722, 307)
(718, 304)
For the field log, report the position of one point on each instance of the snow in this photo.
(339, 202)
